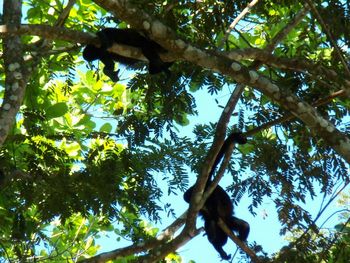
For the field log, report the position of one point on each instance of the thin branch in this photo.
(121, 252)
(333, 214)
(287, 29)
(166, 234)
(242, 245)
(219, 137)
(43, 44)
(281, 35)
(235, 22)
(65, 13)
(329, 35)
(290, 116)
(313, 223)
(326, 250)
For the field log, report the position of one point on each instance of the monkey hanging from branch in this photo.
(219, 205)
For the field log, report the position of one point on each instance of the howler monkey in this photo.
(129, 37)
(219, 205)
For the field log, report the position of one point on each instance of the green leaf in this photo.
(107, 127)
(182, 120)
(56, 110)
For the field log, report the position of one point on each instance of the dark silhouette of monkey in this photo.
(129, 37)
(219, 205)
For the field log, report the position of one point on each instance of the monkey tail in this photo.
(234, 137)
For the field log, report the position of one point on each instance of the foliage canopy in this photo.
(81, 155)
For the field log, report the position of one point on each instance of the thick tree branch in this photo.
(301, 65)
(15, 74)
(290, 116)
(52, 33)
(164, 35)
(297, 64)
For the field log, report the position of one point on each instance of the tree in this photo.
(78, 148)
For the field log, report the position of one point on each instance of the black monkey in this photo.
(219, 205)
(129, 37)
